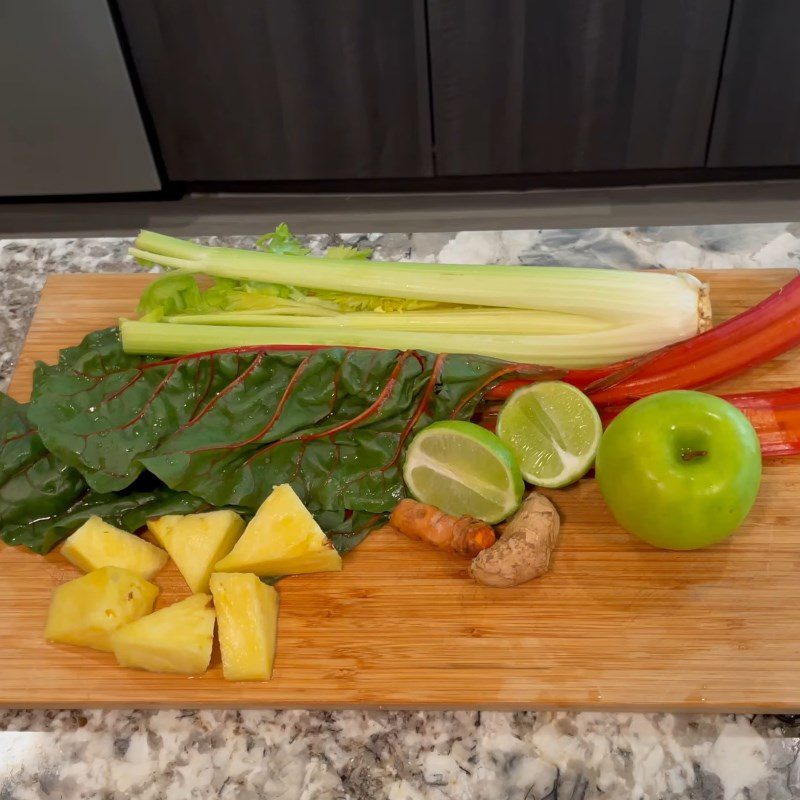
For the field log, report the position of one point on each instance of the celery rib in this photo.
(615, 295)
(593, 349)
(503, 320)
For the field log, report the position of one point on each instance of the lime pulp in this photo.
(554, 431)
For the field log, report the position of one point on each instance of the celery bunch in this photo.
(560, 316)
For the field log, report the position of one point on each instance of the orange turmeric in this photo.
(465, 536)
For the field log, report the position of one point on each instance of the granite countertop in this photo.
(413, 755)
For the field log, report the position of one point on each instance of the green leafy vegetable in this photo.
(129, 511)
(348, 529)
(42, 501)
(98, 354)
(33, 482)
(227, 426)
(281, 242)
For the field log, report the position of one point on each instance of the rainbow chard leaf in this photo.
(33, 482)
(129, 511)
(347, 529)
(43, 500)
(227, 426)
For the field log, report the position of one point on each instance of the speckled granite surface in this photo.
(300, 755)
(402, 755)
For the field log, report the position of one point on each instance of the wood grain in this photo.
(615, 625)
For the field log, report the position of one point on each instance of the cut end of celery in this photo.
(703, 293)
(704, 314)
(157, 244)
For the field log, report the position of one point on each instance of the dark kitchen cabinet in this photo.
(248, 90)
(525, 86)
(758, 112)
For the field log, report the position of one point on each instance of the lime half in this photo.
(554, 431)
(462, 468)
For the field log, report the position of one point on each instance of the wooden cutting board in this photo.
(615, 624)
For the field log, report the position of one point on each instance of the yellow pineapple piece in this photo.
(195, 542)
(97, 544)
(177, 638)
(247, 616)
(89, 609)
(282, 539)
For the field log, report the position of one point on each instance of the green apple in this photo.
(680, 469)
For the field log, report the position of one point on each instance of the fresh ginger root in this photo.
(465, 536)
(524, 548)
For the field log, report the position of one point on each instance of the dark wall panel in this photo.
(758, 114)
(69, 122)
(274, 90)
(573, 85)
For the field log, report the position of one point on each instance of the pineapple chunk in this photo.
(196, 542)
(282, 539)
(97, 544)
(177, 638)
(247, 616)
(89, 609)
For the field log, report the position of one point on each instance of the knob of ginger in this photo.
(524, 548)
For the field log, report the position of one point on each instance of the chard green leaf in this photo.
(227, 426)
(33, 482)
(43, 500)
(348, 529)
(129, 511)
(99, 354)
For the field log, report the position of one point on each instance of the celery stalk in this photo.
(494, 320)
(617, 296)
(591, 349)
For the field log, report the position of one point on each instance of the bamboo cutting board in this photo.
(615, 624)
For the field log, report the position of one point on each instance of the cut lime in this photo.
(554, 431)
(462, 468)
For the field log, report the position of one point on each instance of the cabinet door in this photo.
(69, 123)
(267, 89)
(757, 122)
(573, 85)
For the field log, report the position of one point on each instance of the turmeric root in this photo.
(524, 548)
(465, 536)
